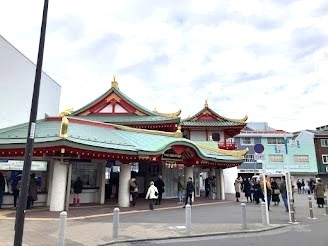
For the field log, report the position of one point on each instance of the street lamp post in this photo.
(20, 214)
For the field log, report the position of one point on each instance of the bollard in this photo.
(243, 216)
(188, 218)
(325, 199)
(263, 212)
(310, 207)
(116, 222)
(292, 211)
(326, 209)
(62, 228)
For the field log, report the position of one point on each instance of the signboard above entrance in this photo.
(18, 165)
(171, 155)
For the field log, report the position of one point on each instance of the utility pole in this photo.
(20, 214)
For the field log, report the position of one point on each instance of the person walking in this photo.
(303, 186)
(247, 189)
(77, 189)
(190, 188)
(275, 192)
(319, 191)
(268, 189)
(152, 195)
(32, 192)
(134, 191)
(180, 189)
(207, 188)
(237, 185)
(299, 186)
(159, 183)
(2, 188)
(283, 192)
(15, 186)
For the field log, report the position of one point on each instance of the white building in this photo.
(17, 75)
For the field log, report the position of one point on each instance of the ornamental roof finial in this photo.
(206, 104)
(114, 82)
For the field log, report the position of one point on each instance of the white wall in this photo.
(201, 135)
(230, 174)
(198, 135)
(17, 74)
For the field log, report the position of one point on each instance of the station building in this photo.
(113, 138)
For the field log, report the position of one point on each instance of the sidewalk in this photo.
(92, 225)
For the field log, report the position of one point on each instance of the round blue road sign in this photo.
(258, 148)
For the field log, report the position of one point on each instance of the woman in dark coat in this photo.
(247, 189)
(258, 192)
(275, 192)
(319, 191)
(77, 189)
(32, 192)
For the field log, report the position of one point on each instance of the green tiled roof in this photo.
(46, 131)
(208, 123)
(130, 119)
(106, 138)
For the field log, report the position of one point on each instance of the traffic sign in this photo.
(258, 148)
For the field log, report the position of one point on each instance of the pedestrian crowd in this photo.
(276, 188)
(156, 189)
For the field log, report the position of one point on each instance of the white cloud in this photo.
(266, 59)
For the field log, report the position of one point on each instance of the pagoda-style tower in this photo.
(117, 108)
(208, 125)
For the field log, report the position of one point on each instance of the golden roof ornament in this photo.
(66, 112)
(64, 127)
(178, 133)
(114, 82)
(206, 103)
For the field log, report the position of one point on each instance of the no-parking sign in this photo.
(258, 148)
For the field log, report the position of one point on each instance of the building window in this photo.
(324, 142)
(276, 158)
(276, 140)
(301, 158)
(247, 141)
(325, 159)
(216, 136)
(249, 158)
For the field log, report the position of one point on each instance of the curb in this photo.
(269, 228)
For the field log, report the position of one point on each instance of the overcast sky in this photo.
(263, 58)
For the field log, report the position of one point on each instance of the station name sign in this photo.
(170, 155)
(18, 165)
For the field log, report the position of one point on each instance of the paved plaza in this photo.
(92, 225)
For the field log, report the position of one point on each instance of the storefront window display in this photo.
(87, 172)
(12, 171)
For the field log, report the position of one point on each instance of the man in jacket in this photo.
(283, 192)
(159, 183)
(189, 190)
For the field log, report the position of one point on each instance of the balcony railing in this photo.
(228, 146)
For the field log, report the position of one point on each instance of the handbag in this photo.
(156, 193)
(276, 191)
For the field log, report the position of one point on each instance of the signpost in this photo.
(258, 149)
(20, 214)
